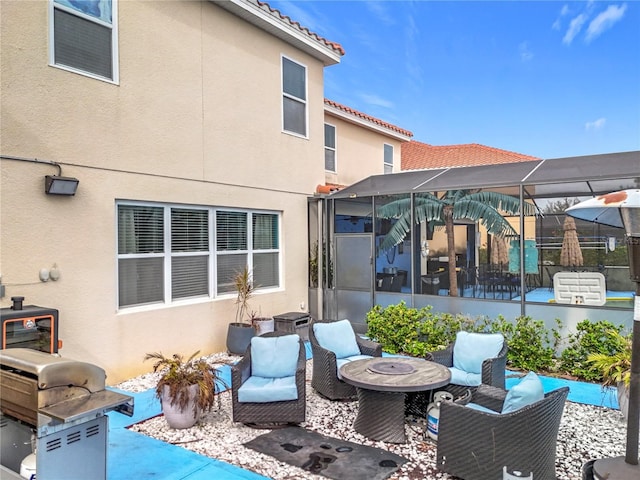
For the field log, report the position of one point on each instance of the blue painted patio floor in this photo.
(133, 455)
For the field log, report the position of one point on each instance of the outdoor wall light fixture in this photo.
(56, 185)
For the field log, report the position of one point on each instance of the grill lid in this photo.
(51, 371)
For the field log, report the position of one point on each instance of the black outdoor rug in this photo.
(327, 456)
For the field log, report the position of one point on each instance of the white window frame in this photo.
(114, 40)
(167, 254)
(303, 101)
(334, 149)
(387, 165)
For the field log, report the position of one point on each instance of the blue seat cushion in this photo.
(460, 377)
(471, 349)
(342, 361)
(275, 357)
(529, 390)
(337, 337)
(266, 390)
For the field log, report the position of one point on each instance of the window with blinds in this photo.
(329, 147)
(84, 36)
(294, 97)
(189, 253)
(140, 255)
(169, 253)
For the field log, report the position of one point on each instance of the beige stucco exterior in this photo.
(195, 119)
(360, 147)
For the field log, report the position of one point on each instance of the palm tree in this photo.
(479, 206)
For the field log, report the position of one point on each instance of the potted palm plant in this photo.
(240, 331)
(186, 388)
(615, 369)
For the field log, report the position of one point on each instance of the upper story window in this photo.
(84, 37)
(294, 97)
(329, 148)
(169, 253)
(388, 158)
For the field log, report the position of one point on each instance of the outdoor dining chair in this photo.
(489, 439)
(334, 343)
(268, 384)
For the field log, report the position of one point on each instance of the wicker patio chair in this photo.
(492, 373)
(269, 414)
(475, 445)
(325, 368)
(493, 369)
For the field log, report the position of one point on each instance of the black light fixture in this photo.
(56, 185)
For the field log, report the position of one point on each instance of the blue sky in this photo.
(544, 78)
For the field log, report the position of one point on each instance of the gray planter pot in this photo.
(238, 337)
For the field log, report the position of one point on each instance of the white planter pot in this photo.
(177, 418)
(264, 325)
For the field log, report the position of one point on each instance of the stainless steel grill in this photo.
(57, 407)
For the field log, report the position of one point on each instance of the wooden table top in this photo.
(395, 374)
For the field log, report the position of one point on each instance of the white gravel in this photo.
(586, 432)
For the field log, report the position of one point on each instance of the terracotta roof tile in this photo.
(329, 187)
(333, 45)
(417, 155)
(368, 118)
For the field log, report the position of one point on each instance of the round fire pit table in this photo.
(381, 384)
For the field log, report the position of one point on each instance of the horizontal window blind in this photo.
(140, 229)
(265, 231)
(227, 268)
(231, 230)
(140, 281)
(265, 270)
(166, 253)
(189, 230)
(189, 276)
(82, 44)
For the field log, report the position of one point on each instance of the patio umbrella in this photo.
(571, 254)
(622, 209)
(499, 251)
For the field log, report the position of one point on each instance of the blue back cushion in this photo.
(275, 357)
(528, 391)
(338, 337)
(471, 349)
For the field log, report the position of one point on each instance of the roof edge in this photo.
(263, 16)
(367, 121)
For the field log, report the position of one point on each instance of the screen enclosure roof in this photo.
(585, 175)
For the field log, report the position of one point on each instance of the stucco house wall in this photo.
(195, 120)
(360, 141)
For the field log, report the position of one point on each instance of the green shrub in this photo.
(398, 328)
(600, 337)
(529, 345)
(411, 331)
